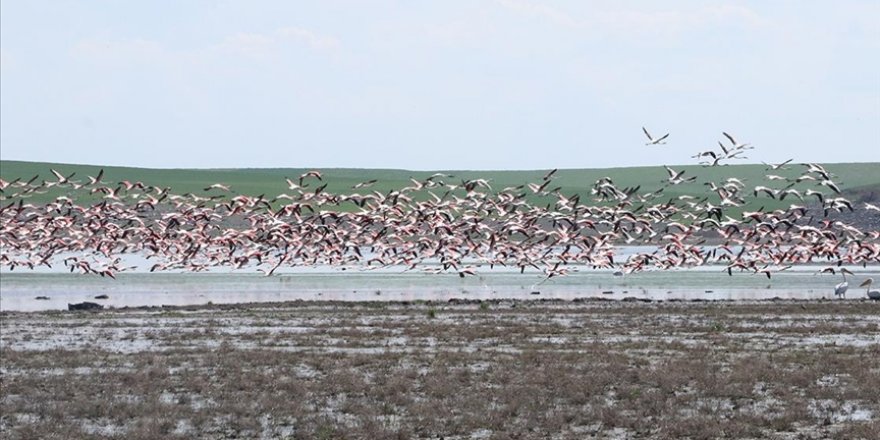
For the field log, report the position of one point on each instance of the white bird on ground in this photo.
(872, 294)
(840, 289)
(652, 141)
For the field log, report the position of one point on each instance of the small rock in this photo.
(534, 292)
(102, 297)
(43, 298)
(85, 306)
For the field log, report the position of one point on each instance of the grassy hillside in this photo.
(854, 177)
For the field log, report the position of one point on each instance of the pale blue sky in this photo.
(508, 84)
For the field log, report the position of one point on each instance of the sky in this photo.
(424, 85)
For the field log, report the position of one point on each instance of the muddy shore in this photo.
(468, 369)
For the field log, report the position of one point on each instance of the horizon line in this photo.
(254, 168)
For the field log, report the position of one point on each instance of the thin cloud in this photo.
(539, 10)
(637, 21)
(312, 39)
(262, 45)
(116, 49)
(249, 44)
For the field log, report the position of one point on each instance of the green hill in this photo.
(851, 177)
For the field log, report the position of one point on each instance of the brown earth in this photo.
(538, 369)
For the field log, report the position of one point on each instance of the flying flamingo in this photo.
(652, 141)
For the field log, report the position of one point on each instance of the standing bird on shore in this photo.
(840, 289)
(652, 141)
(872, 294)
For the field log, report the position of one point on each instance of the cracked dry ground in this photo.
(502, 369)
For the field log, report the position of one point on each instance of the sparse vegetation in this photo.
(527, 370)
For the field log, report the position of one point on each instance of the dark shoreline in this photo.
(455, 301)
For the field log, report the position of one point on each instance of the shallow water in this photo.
(18, 290)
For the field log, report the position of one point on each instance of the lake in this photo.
(18, 290)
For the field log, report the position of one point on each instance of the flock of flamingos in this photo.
(442, 224)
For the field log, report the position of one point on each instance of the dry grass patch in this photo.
(499, 369)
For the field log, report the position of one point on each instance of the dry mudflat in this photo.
(502, 369)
